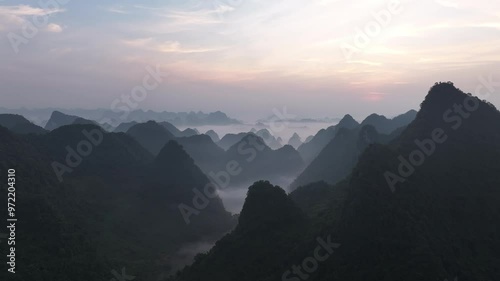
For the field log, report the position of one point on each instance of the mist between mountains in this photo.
(250, 146)
(123, 105)
(454, 117)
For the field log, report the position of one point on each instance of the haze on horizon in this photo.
(247, 57)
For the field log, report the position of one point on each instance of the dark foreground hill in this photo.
(424, 207)
(92, 202)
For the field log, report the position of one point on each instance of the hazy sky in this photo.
(246, 57)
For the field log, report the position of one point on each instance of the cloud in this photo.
(175, 47)
(447, 3)
(12, 17)
(52, 27)
(151, 44)
(119, 9)
(187, 18)
(374, 96)
(26, 10)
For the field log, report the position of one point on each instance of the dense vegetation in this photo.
(440, 222)
(411, 198)
(118, 209)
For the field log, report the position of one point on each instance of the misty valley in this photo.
(413, 197)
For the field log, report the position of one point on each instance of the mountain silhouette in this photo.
(387, 126)
(269, 139)
(268, 214)
(64, 250)
(20, 125)
(151, 136)
(311, 149)
(124, 127)
(115, 198)
(422, 207)
(231, 139)
(258, 161)
(82, 121)
(213, 135)
(295, 141)
(58, 119)
(336, 160)
(206, 154)
(189, 133)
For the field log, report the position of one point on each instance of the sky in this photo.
(317, 58)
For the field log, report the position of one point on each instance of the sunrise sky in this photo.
(246, 57)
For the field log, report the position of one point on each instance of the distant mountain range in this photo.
(42, 116)
(310, 149)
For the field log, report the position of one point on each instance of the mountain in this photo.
(171, 128)
(295, 141)
(311, 149)
(64, 250)
(177, 193)
(151, 136)
(189, 133)
(258, 161)
(387, 126)
(178, 133)
(219, 118)
(124, 127)
(230, 139)
(433, 220)
(245, 162)
(269, 139)
(213, 135)
(71, 144)
(20, 125)
(338, 158)
(82, 121)
(113, 206)
(404, 119)
(181, 119)
(422, 207)
(58, 119)
(206, 154)
(268, 214)
(250, 158)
